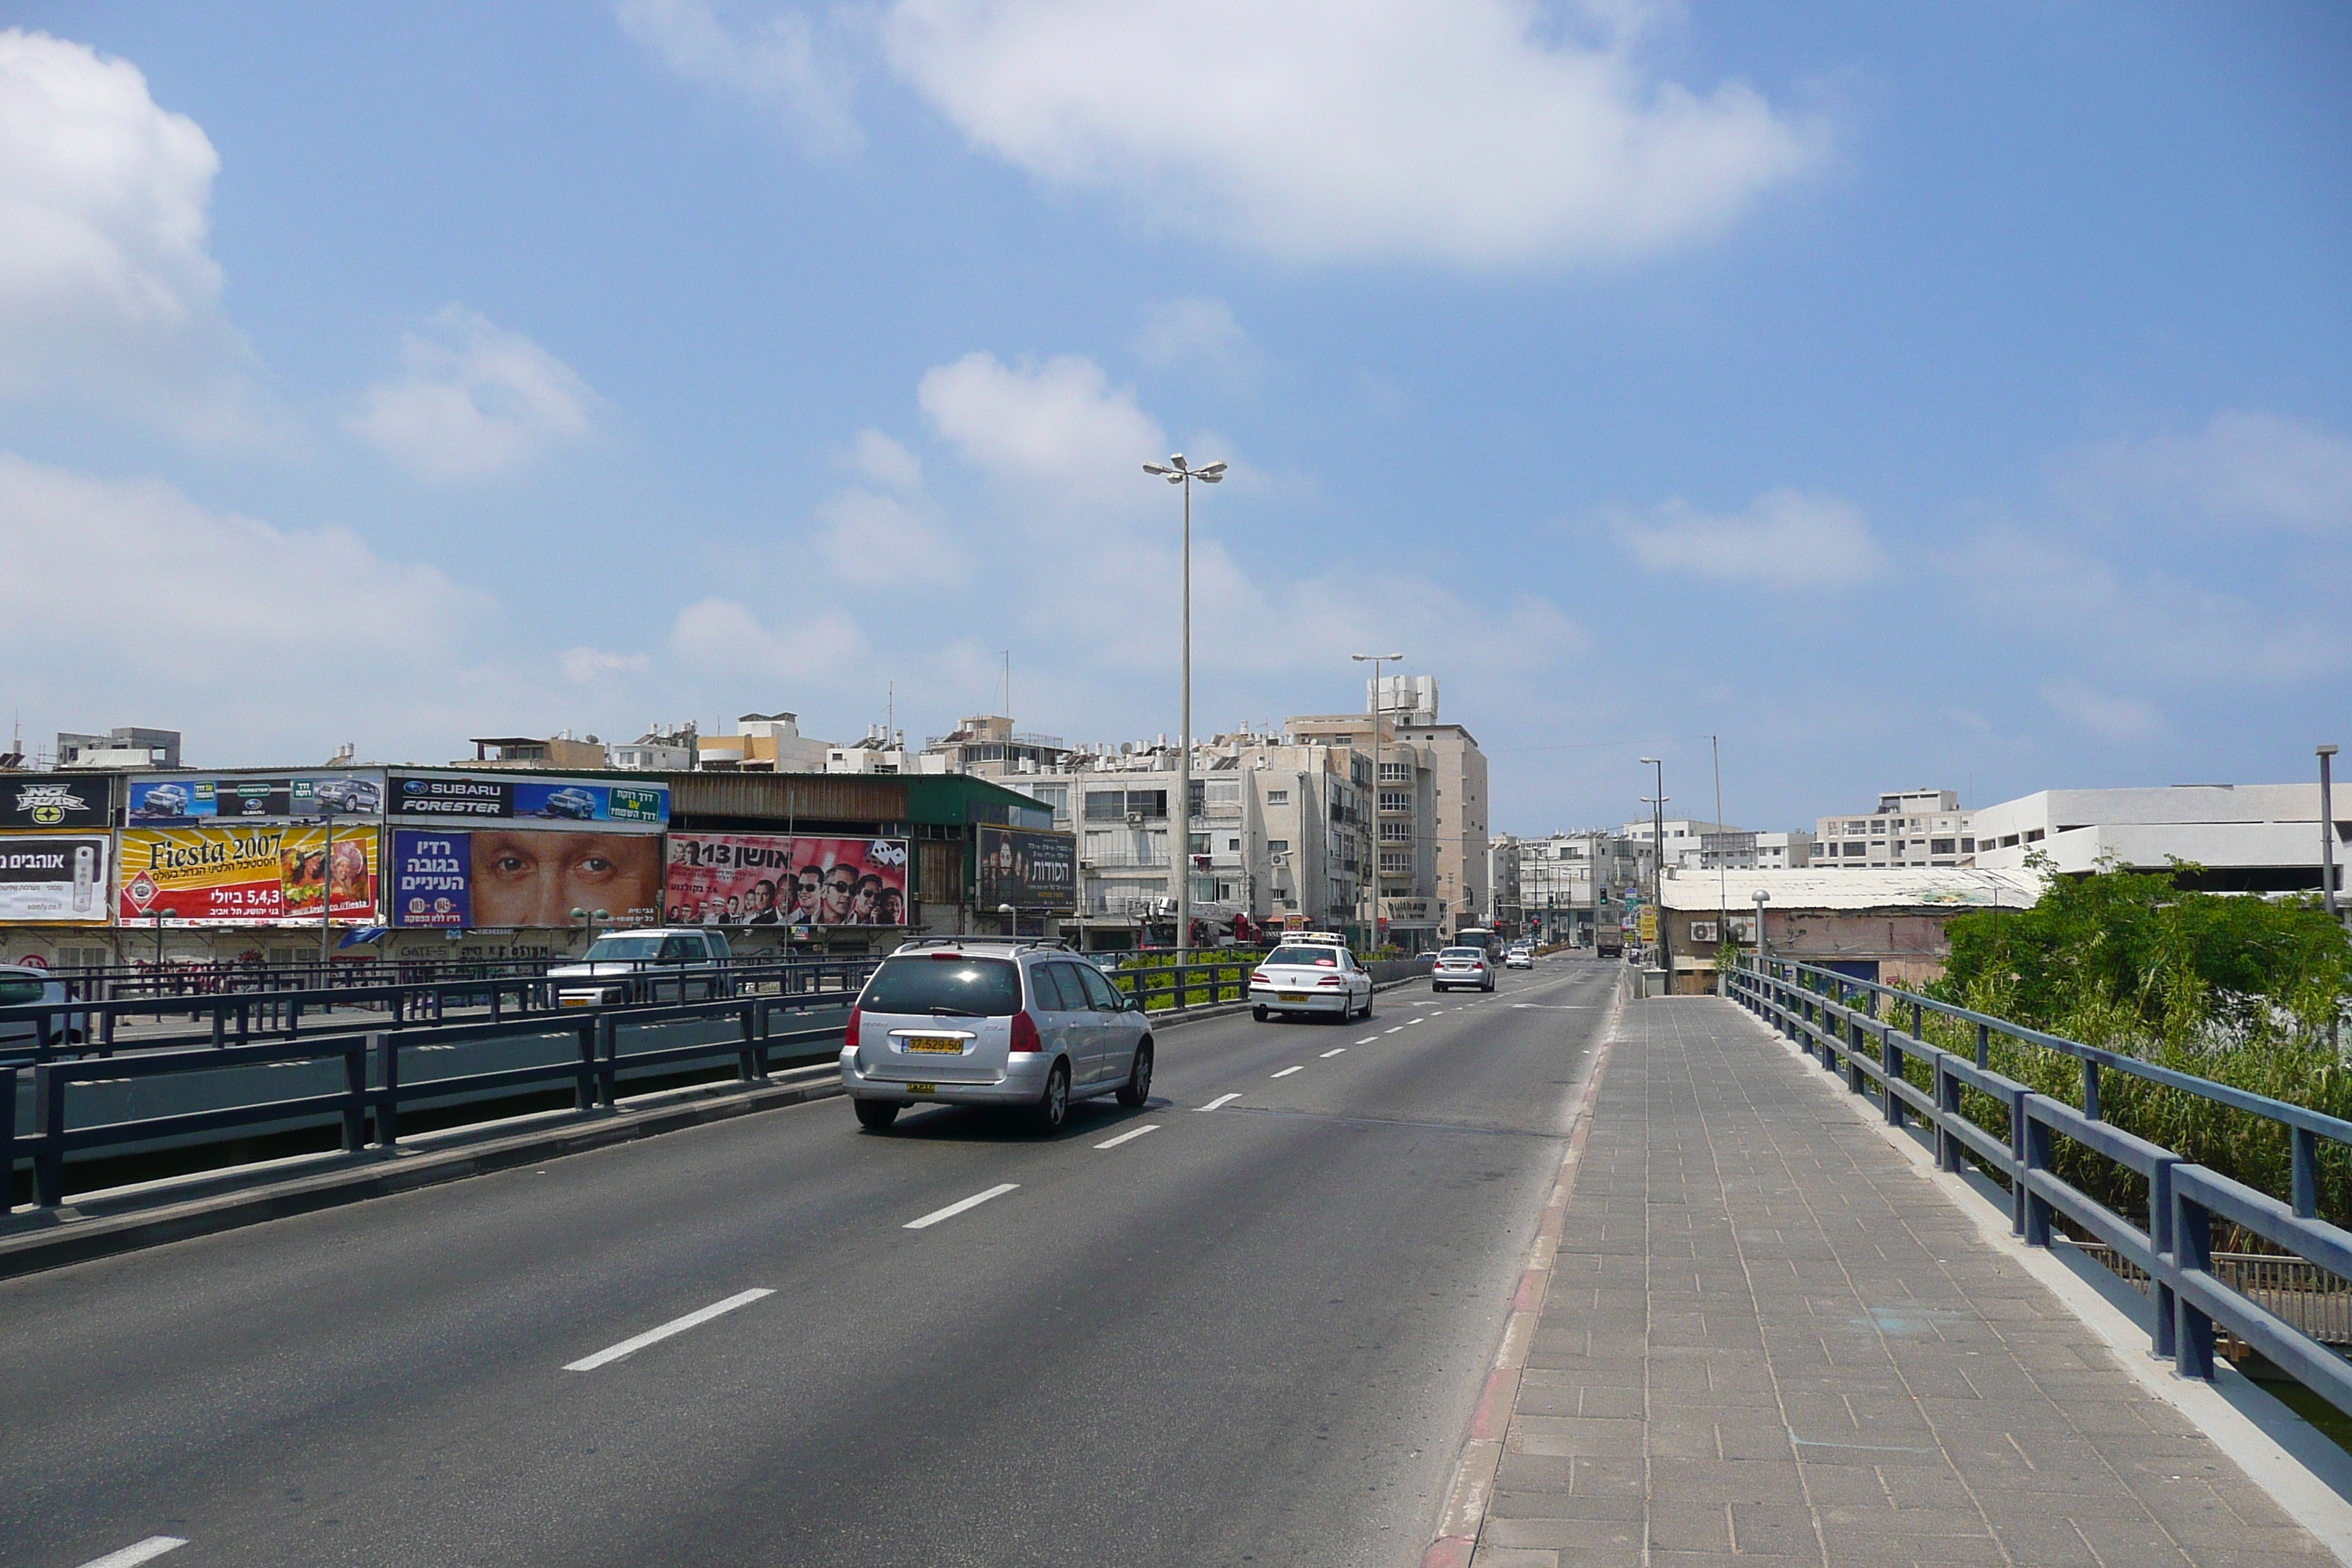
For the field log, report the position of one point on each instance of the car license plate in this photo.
(922, 1089)
(935, 1045)
(578, 1002)
(1293, 997)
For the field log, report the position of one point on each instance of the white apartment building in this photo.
(762, 743)
(1686, 838)
(1456, 806)
(2246, 838)
(1738, 851)
(1567, 881)
(1910, 828)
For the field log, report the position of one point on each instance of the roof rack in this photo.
(1017, 943)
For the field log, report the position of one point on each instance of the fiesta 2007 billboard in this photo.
(246, 876)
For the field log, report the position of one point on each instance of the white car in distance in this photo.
(1310, 978)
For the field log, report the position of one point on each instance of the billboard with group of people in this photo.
(761, 879)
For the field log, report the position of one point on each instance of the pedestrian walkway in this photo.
(1768, 1339)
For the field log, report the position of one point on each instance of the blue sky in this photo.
(1906, 394)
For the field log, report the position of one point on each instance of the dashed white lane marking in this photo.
(1128, 1136)
(1221, 1100)
(1287, 1072)
(653, 1336)
(1368, 1039)
(1398, 1030)
(960, 1205)
(1334, 1051)
(138, 1551)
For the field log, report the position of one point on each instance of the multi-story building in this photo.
(662, 749)
(2240, 837)
(1738, 851)
(763, 744)
(559, 752)
(987, 746)
(1570, 881)
(1910, 828)
(882, 750)
(123, 747)
(1457, 800)
(1686, 838)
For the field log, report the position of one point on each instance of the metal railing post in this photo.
(1948, 1106)
(2037, 1152)
(2017, 1098)
(1890, 1057)
(2090, 1088)
(8, 1137)
(49, 1121)
(386, 1048)
(746, 1070)
(2161, 1295)
(355, 1100)
(1984, 1047)
(608, 1067)
(583, 1088)
(2192, 1245)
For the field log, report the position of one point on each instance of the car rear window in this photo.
(977, 987)
(1306, 957)
(1463, 953)
(15, 993)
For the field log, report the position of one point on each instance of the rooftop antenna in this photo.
(1008, 687)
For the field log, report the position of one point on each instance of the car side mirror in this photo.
(1135, 1005)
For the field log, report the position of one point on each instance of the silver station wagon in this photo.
(1020, 1025)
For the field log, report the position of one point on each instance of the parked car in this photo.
(1021, 1025)
(1519, 958)
(656, 964)
(22, 984)
(577, 803)
(1459, 966)
(1310, 978)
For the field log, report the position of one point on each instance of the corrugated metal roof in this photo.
(790, 797)
(1906, 888)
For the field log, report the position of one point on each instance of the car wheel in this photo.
(1053, 1107)
(1259, 1014)
(876, 1115)
(1137, 1089)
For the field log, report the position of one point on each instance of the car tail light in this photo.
(1024, 1033)
(1328, 979)
(849, 1035)
(1257, 977)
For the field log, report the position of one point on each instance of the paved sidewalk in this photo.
(1767, 1338)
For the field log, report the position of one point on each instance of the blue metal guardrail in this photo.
(1837, 1019)
(235, 1017)
(373, 1089)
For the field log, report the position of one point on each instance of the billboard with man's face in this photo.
(522, 877)
(1027, 868)
(762, 880)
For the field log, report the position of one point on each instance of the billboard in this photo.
(57, 801)
(180, 800)
(57, 878)
(523, 877)
(492, 797)
(762, 880)
(258, 875)
(1027, 868)
(431, 878)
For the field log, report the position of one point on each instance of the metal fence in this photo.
(1837, 1019)
(238, 1018)
(374, 1086)
(1169, 987)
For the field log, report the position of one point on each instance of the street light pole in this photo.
(327, 894)
(1658, 872)
(1372, 865)
(1176, 472)
(2326, 831)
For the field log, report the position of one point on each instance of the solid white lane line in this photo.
(958, 1207)
(138, 1551)
(1221, 1100)
(1128, 1136)
(675, 1326)
(1334, 1051)
(1287, 1072)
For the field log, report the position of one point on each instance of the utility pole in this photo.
(1658, 873)
(2326, 831)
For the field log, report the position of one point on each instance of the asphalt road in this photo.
(1252, 1333)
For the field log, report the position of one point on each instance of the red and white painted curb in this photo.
(1464, 1513)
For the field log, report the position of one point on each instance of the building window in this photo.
(1233, 843)
(1278, 846)
(1396, 863)
(1968, 846)
(1395, 800)
(2033, 836)
(1940, 847)
(1277, 797)
(1400, 832)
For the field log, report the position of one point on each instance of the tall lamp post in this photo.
(1657, 805)
(327, 893)
(1373, 866)
(1762, 953)
(1176, 472)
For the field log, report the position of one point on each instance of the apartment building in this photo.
(1686, 838)
(763, 744)
(1738, 851)
(2244, 838)
(1910, 828)
(1457, 802)
(1568, 881)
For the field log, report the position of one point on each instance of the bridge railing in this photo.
(1857, 1028)
(609, 1041)
(237, 1017)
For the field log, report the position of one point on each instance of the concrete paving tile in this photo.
(1678, 1526)
(1572, 1435)
(1551, 1534)
(1512, 1557)
(1725, 1480)
(1616, 1508)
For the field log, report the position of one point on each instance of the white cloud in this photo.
(235, 628)
(473, 401)
(588, 666)
(799, 642)
(2244, 470)
(881, 461)
(1786, 539)
(1058, 430)
(1336, 129)
(2118, 718)
(1196, 330)
(778, 63)
(879, 542)
(107, 289)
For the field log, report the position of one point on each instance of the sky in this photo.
(1881, 396)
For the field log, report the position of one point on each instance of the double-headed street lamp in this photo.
(1372, 864)
(1657, 805)
(1177, 472)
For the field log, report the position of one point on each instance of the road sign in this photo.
(1649, 922)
